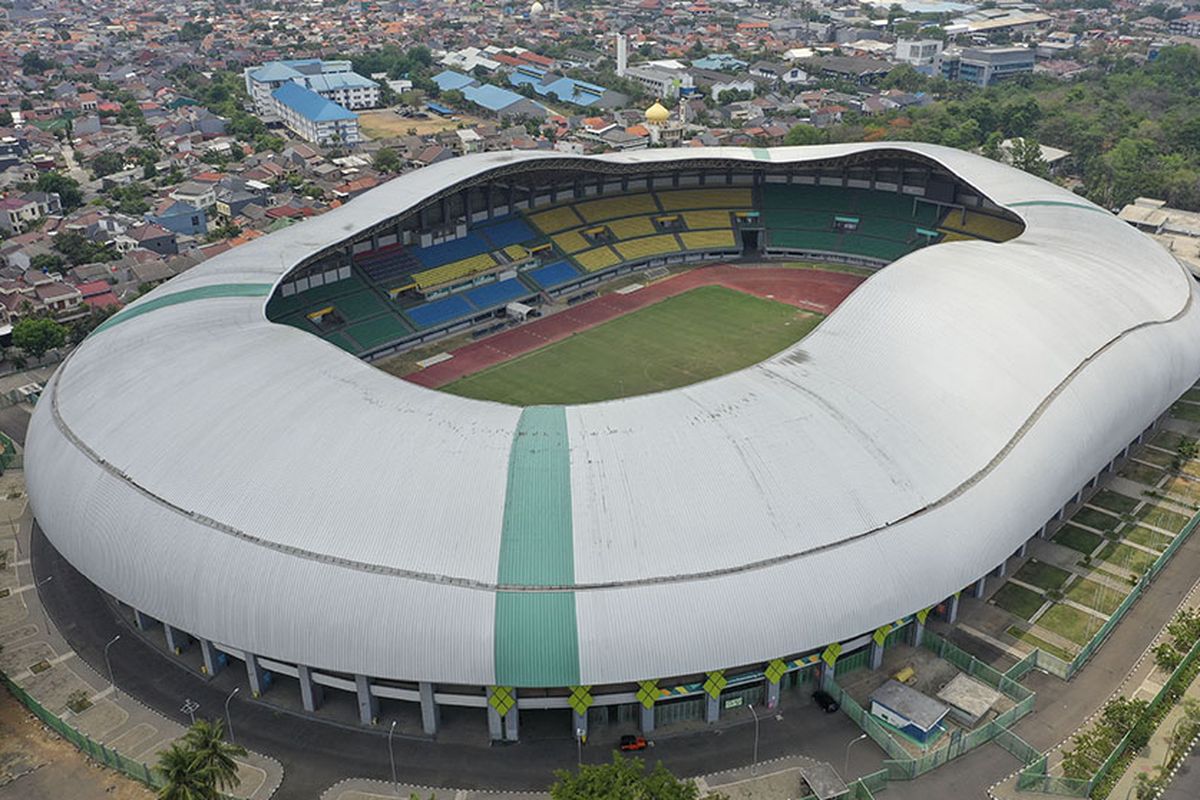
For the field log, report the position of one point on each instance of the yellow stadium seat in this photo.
(647, 247)
(453, 271)
(700, 220)
(555, 219)
(708, 240)
(516, 252)
(730, 197)
(981, 226)
(570, 241)
(597, 258)
(605, 208)
(632, 227)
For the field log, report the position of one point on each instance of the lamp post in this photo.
(111, 684)
(579, 745)
(754, 764)
(228, 721)
(392, 758)
(189, 707)
(846, 767)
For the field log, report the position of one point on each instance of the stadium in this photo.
(221, 458)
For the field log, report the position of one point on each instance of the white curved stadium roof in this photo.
(256, 486)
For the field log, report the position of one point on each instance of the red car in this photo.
(631, 743)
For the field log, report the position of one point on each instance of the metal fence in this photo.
(1036, 777)
(93, 749)
(9, 457)
(900, 765)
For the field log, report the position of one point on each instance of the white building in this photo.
(313, 117)
(918, 52)
(333, 80)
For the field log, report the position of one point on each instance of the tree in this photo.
(182, 777)
(1026, 154)
(32, 63)
(6, 118)
(991, 146)
(387, 160)
(47, 262)
(38, 335)
(107, 163)
(66, 187)
(78, 249)
(214, 756)
(804, 134)
(622, 779)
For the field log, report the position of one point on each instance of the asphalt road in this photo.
(1186, 785)
(315, 754)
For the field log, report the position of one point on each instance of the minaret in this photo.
(622, 55)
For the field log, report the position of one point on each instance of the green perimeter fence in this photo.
(900, 765)
(1066, 670)
(1035, 777)
(9, 457)
(93, 749)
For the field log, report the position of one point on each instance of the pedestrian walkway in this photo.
(1155, 753)
(36, 657)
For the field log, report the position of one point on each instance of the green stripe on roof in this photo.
(536, 638)
(1067, 203)
(186, 296)
(761, 153)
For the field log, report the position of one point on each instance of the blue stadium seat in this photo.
(456, 250)
(555, 274)
(505, 231)
(435, 313)
(494, 294)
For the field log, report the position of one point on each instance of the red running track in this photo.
(809, 289)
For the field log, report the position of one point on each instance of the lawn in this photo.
(1159, 517)
(1044, 576)
(690, 337)
(1039, 643)
(1152, 455)
(1141, 473)
(1094, 518)
(1094, 594)
(1018, 600)
(1122, 555)
(1185, 410)
(1146, 537)
(1077, 539)
(1070, 623)
(1182, 487)
(1170, 440)
(1114, 501)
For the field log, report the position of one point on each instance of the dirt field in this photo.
(37, 765)
(387, 125)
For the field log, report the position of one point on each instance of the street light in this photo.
(579, 744)
(846, 768)
(754, 764)
(111, 684)
(392, 758)
(228, 721)
(44, 581)
(189, 707)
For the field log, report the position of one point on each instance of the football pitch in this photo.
(699, 334)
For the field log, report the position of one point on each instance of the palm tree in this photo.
(214, 756)
(184, 780)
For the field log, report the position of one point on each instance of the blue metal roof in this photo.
(438, 108)
(493, 98)
(309, 104)
(274, 71)
(449, 79)
(580, 93)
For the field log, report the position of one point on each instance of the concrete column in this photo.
(1044, 533)
(209, 653)
(512, 721)
(254, 673)
(918, 632)
(1001, 569)
(712, 708)
(579, 724)
(311, 694)
(952, 609)
(980, 588)
(495, 725)
(143, 621)
(431, 715)
(876, 655)
(827, 674)
(1023, 549)
(368, 704)
(772, 695)
(177, 640)
(646, 718)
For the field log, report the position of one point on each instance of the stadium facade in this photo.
(286, 506)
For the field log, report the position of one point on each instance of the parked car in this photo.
(631, 743)
(825, 700)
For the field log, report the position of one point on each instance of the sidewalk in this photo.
(1156, 752)
(42, 663)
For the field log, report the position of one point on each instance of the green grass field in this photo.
(1045, 576)
(690, 337)
(1115, 502)
(1070, 623)
(1094, 594)
(1017, 600)
(1077, 539)
(1093, 518)
(1035, 641)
